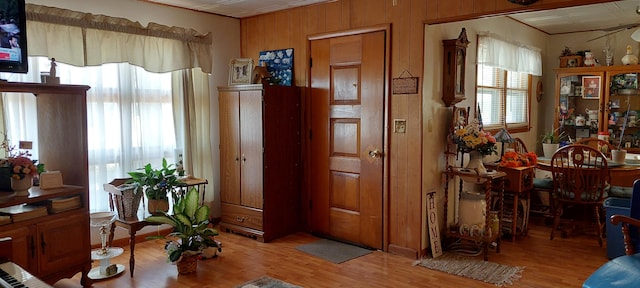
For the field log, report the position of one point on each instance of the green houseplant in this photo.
(551, 142)
(157, 184)
(190, 223)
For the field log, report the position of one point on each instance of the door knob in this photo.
(375, 154)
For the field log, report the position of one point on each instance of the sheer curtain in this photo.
(129, 119)
(515, 57)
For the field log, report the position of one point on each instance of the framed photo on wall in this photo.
(240, 71)
(591, 87)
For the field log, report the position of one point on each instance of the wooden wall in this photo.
(290, 28)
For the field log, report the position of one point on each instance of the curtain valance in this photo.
(85, 39)
(511, 56)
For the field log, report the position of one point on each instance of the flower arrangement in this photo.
(514, 159)
(18, 161)
(473, 138)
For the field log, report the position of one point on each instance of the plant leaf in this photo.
(191, 203)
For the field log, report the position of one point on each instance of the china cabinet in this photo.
(42, 245)
(601, 99)
(260, 167)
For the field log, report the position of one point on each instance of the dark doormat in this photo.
(333, 251)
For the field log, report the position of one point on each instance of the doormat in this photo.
(333, 251)
(267, 282)
(485, 271)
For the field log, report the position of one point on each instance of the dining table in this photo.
(622, 174)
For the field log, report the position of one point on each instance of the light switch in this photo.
(400, 125)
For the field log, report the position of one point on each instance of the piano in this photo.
(13, 276)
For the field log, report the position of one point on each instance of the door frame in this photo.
(306, 118)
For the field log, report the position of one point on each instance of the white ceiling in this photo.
(604, 17)
(238, 8)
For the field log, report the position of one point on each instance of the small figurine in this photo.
(52, 70)
(629, 59)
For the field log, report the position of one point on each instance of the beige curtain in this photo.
(193, 87)
(84, 39)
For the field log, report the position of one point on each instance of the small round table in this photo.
(98, 273)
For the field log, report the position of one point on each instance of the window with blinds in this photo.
(503, 98)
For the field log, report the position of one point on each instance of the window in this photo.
(503, 86)
(503, 98)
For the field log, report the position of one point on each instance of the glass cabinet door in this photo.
(579, 98)
(623, 107)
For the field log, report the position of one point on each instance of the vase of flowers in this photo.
(22, 170)
(477, 143)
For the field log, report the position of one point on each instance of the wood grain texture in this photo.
(562, 262)
(407, 19)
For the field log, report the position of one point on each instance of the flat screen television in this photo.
(13, 37)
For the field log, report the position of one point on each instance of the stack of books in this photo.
(23, 212)
(61, 204)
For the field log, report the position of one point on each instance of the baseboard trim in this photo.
(403, 251)
(124, 242)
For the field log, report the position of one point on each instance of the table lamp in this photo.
(503, 136)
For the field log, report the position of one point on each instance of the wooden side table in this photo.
(488, 181)
(135, 224)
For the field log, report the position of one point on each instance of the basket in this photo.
(187, 264)
(124, 198)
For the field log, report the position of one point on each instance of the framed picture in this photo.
(279, 63)
(240, 71)
(460, 117)
(591, 87)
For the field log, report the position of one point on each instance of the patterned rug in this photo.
(267, 282)
(464, 266)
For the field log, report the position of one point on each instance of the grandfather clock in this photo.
(455, 52)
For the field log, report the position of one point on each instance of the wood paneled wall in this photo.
(290, 29)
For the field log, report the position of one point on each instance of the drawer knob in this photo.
(240, 219)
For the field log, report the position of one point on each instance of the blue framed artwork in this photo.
(279, 63)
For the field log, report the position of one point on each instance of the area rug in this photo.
(477, 269)
(267, 282)
(333, 251)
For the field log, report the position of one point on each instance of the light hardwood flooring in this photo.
(562, 262)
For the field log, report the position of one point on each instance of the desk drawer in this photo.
(242, 216)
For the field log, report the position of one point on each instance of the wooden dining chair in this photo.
(519, 146)
(580, 178)
(605, 146)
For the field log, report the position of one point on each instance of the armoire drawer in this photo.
(242, 216)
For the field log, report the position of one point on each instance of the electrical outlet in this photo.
(400, 125)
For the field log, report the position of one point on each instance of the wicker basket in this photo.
(124, 198)
(187, 264)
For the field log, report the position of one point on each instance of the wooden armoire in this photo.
(260, 160)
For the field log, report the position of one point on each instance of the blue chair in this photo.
(623, 271)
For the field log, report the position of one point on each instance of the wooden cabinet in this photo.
(608, 92)
(58, 245)
(260, 156)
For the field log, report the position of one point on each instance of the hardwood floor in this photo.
(562, 262)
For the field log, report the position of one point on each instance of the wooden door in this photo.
(347, 136)
(229, 102)
(251, 148)
(22, 244)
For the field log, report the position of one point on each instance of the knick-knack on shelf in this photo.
(629, 59)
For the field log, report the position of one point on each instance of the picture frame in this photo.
(240, 71)
(591, 87)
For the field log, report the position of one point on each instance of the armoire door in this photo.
(251, 148)
(229, 103)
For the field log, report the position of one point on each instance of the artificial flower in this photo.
(473, 138)
(514, 159)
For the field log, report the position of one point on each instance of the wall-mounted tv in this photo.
(13, 36)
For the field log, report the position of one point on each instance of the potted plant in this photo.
(157, 184)
(190, 223)
(551, 142)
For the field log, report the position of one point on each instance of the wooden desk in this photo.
(135, 224)
(621, 175)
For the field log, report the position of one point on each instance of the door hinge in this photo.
(310, 134)
(310, 204)
(310, 62)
